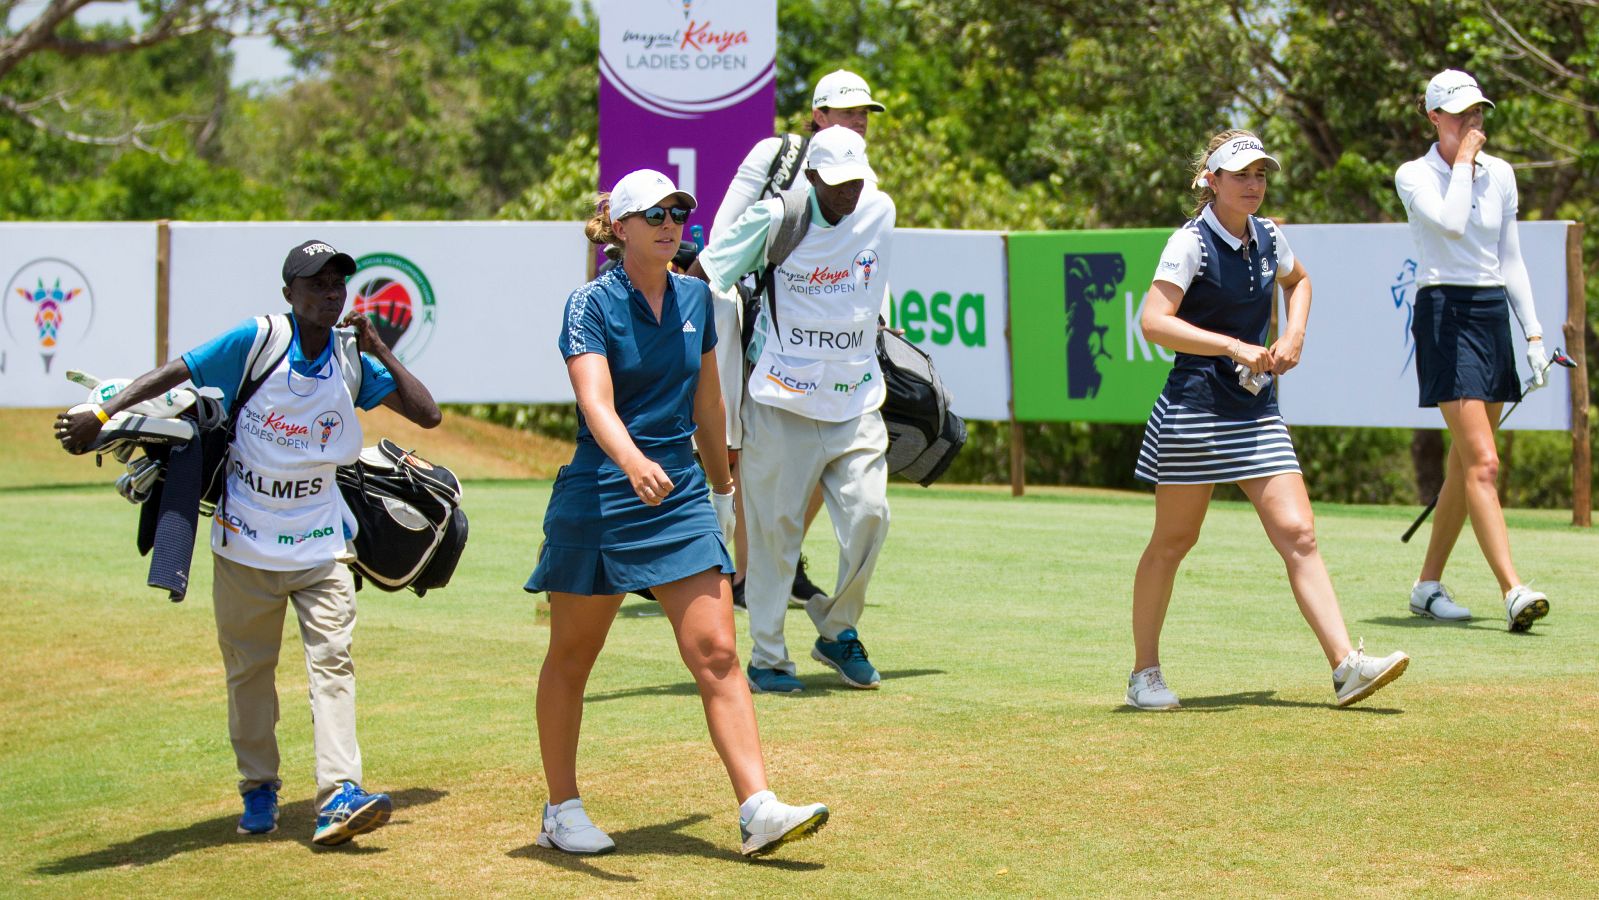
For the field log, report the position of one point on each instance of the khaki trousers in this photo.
(250, 605)
(784, 456)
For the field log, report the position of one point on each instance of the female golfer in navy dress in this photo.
(633, 510)
(1216, 420)
(1462, 208)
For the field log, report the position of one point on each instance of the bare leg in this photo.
(741, 538)
(1471, 424)
(700, 609)
(1449, 516)
(578, 626)
(1284, 509)
(1179, 513)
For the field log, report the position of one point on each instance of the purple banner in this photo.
(686, 87)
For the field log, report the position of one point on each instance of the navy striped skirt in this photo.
(1189, 446)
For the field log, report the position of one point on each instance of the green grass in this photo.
(996, 759)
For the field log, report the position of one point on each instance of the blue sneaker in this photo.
(350, 812)
(772, 681)
(847, 656)
(260, 810)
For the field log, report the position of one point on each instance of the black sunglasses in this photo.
(655, 215)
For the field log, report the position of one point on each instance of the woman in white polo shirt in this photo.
(1461, 203)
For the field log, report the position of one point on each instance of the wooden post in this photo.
(163, 288)
(1018, 450)
(1575, 331)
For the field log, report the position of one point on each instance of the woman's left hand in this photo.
(725, 517)
(1285, 352)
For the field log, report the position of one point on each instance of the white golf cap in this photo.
(1454, 91)
(839, 155)
(1239, 152)
(843, 90)
(639, 190)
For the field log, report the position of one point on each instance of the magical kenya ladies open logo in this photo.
(393, 292)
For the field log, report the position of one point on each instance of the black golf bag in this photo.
(923, 435)
(412, 527)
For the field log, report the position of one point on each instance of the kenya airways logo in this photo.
(865, 262)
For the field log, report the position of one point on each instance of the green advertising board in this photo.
(1077, 354)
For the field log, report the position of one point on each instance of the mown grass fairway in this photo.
(997, 759)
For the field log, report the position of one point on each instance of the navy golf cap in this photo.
(309, 258)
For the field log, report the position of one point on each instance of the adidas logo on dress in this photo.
(688, 328)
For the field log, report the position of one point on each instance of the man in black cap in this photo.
(279, 534)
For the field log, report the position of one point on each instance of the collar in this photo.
(636, 297)
(1227, 237)
(1435, 160)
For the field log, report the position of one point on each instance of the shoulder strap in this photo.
(349, 351)
(272, 338)
(789, 231)
(785, 165)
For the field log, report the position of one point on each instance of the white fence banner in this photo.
(948, 292)
(472, 308)
(77, 296)
(1359, 363)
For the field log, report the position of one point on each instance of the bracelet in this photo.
(718, 487)
(1232, 349)
(100, 413)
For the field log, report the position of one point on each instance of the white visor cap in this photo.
(643, 188)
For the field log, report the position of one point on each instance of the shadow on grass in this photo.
(1228, 702)
(295, 820)
(665, 839)
(1419, 622)
(818, 683)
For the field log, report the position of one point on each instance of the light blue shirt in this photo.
(741, 249)
(220, 362)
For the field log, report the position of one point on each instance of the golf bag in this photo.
(923, 435)
(412, 527)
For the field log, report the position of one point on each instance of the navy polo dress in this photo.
(599, 537)
(1206, 428)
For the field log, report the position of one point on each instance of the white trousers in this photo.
(784, 456)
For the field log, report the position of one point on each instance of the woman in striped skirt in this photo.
(1216, 419)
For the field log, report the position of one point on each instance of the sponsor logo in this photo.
(825, 275)
(949, 318)
(311, 535)
(688, 328)
(1403, 294)
(865, 261)
(1167, 265)
(235, 525)
(274, 428)
(314, 249)
(844, 387)
(48, 303)
(396, 295)
(1265, 268)
(329, 425)
(276, 488)
(818, 281)
(718, 53)
(788, 383)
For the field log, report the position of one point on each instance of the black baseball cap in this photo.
(309, 258)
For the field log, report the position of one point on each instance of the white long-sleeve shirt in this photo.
(1463, 219)
(747, 184)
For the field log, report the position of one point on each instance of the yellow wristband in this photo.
(100, 413)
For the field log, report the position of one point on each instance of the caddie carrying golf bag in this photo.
(923, 435)
(412, 527)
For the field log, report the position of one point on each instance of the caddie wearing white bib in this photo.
(281, 526)
(815, 389)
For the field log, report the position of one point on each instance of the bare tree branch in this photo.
(133, 137)
(1542, 91)
(1528, 48)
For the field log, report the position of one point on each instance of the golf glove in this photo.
(725, 517)
(1539, 360)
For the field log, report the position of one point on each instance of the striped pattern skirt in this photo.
(1188, 446)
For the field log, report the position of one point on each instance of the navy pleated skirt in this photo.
(1190, 446)
(1463, 348)
(600, 538)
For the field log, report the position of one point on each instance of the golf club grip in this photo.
(1405, 538)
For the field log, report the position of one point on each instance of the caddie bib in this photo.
(818, 358)
(283, 510)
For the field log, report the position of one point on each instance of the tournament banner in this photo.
(472, 308)
(1077, 352)
(686, 88)
(77, 296)
(948, 292)
(1359, 365)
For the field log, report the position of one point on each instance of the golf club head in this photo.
(167, 406)
(1562, 360)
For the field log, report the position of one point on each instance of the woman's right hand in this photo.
(649, 481)
(1252, 356)
(1471, 142)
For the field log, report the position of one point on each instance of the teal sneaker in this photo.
(847, 656)
(349, 812)
(260, 810)
(772, 681)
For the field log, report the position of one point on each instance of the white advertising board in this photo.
(77, 296)
(948, 293)
(1359, 364)
(472, 308)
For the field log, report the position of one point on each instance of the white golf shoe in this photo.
(775, 823)
(1146, 689)
(1523, 606)
(1359, 676)
(1434, 601)
(567, 828)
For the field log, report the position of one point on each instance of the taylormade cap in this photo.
(1454, 91)
(839, 155)
(843, 90)
(643, 188)
(1239, 152)
(309, 258)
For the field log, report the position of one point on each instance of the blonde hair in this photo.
(1203, 194)
(598, 228)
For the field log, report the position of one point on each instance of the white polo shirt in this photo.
(1457, 216)
(1179, 262)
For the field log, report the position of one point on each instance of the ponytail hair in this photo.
(1203, 194)
(598, 228)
